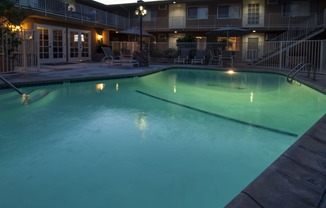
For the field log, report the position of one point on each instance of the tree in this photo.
(9, 13)
(10, 18)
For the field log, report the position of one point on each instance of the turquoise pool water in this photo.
(177, 138)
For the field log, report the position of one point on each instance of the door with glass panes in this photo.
(79, 47)
(51, 44)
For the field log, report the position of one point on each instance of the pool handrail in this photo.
(296, 70)
(11, 85)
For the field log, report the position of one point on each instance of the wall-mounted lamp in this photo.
(99, 37)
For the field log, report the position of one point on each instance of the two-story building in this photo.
(71, 30)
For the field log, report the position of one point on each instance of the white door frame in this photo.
(51, 43)
(79, 45)
(177, 16)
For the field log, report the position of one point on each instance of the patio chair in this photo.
(199, 57)
(183, 57)
(127, 57)
(108, 57)
(125, 53)
(214, 58)
(225, 57)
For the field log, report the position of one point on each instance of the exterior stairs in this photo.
(286, 41)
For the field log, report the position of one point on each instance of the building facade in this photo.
(71, 30)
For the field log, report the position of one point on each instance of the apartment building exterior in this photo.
(71, 30)
(263, 19)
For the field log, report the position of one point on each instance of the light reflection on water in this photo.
(102, 144)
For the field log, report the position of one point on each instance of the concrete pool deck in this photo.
(296, 179)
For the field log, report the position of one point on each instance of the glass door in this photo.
(51, 44)
(252, 52)
(177, 16)
(253, 14)
(79, 45)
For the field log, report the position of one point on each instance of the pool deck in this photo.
(296, 179)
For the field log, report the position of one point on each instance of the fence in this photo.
(275, 54)
(18, 51)
(287, 54)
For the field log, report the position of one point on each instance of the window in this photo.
(296, 8)
(230, 43)
(198, 12)
(228, 11)
(253, 14)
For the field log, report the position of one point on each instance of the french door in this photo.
(79, 47)
(253, 14)
(252, 52)
(177, 16)
(51, 44)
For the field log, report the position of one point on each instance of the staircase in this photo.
(271, 50)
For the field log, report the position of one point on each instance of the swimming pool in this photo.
(177, 138)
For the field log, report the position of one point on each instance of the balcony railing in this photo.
(75, 11)
(90, 15)
(267, 21)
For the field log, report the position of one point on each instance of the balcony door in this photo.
(51, 44)
(253, 13)
(79, 47)
(177, 16)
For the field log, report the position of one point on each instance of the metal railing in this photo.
(75, 11)
(293, 72)
(282, 54)
(303, 30)
(20, 56)
(268, 21)
(11, 85)
(90, 15)
(287, 54)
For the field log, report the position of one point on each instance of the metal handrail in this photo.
(12, 86)
(296, 70)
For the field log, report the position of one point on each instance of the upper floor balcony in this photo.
(69, 11)
(266, 21)
(75, 12)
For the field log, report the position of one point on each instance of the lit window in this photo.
(230, 44)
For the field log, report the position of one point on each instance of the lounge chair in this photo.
(127, 58)
(199, 57)
(183, 57)
(225, 57)
(125, 53)
(108, 57)
(214, 58)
